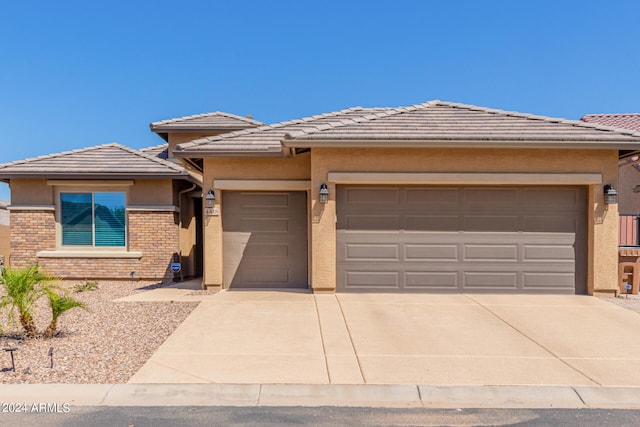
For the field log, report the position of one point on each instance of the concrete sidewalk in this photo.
(392, 396)
(270, 337)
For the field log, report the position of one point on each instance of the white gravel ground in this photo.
(106, 344)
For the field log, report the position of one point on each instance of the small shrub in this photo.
(23, 288)
(87, 286)
(59, 304)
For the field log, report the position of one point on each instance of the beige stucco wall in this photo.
(143, 192)
(31, 192)
(290, 168)
(151, 192)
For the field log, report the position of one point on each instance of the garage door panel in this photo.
(560, 198)
(487, 223)
(371, 195)
(540, 280)
(490, 280)
(372, 279)
(266, 250)
(494, 252)
(493, 197)
(468, 246)
(551, 223)
(263, 200)
(432, 223)
(432, 280)
(430, 252)
(417, 197)
(372, 222)
(379, 252)
(549, 253)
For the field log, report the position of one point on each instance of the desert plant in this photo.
(89, 285)
(59, 304)
(23, 287)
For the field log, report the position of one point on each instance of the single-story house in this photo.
(436, 197)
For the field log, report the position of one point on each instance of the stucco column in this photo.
(212, 246)
(603, 245)
(323, 230)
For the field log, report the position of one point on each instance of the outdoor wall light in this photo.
(324, 194)
(210, 199)
(610, 195)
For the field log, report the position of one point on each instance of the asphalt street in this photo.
(320, 416)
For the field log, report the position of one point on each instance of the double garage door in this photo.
(461, 239)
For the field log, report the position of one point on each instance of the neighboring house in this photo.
(437, 197)
(4, 232)
(628, 200)
(629, 163)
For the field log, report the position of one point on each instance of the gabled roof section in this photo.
(430, 124)
(108, 161)
(620, 121)
(266, 140)
(216, 121)
(447, 124)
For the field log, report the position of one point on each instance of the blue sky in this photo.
(78, 73)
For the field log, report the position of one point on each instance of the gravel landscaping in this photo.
(106, 344)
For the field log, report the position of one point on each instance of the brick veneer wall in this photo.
(31, 231)
(154, 233)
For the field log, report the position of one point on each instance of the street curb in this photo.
(392, 396)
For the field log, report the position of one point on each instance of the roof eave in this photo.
(203, 153)
(6, 176)
(460, 143)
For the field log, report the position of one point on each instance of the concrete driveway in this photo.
(263, 337)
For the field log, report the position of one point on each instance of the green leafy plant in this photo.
(86, 286)
(23, 287)
(59, 303)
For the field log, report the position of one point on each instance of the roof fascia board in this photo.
(199, 154)
(88, 177)
(192, 128)
(93, 183)
(458, 143)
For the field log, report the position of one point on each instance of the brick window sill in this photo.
(89, 254)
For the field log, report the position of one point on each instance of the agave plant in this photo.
(23, 287)
(59, 304)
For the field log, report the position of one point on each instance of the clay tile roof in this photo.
(267, 139)
(108, 161)
(622, 121)
(215, 121)
(433, 123)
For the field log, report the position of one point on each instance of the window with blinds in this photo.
(93, 219)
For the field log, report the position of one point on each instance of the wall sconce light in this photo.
(610, 195)
(210, 199)
(324, 194)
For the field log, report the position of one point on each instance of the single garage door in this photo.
(461, 239)
(265, 239)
